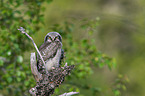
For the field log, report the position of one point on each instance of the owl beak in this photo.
(53, 38)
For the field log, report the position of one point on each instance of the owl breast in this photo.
(51, 53)
(53, 62)
(50, 50)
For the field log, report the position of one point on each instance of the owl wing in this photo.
(47, 50)
(41, 48)
(62, 56)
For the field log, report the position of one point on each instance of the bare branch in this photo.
(23, 31)
(48, 82)
(69, 94)
(34, 70)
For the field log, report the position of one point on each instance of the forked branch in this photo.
(46, 83)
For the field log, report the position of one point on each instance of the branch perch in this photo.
(46, 83)
(69, 94)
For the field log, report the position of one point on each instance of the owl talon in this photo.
(53, 67)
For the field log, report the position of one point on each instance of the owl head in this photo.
(53, 37)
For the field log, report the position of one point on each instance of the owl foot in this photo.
(53, 67)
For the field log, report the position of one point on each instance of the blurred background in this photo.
(105, 39)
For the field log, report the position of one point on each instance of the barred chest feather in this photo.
(53, 62)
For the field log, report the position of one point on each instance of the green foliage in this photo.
(14, 74)
(83, 54)
(16, 78)
(120, 84)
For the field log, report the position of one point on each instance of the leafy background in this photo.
(104, 39)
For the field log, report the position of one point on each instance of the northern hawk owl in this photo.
(51, 51)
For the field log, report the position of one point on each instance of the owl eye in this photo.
(56, 38)
(49, 38)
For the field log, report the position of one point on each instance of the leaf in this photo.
(48, 1)
(19, 59)
(9, 53)
(18, 12)
(123, 87)
(1, 86)
(1, 62)
(18, 73)
(26, 83)
(101, 65)
(9, 79)
(18, 79)
(116, 92)
(95, 89)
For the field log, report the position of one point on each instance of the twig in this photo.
(69, 94)
(23, 31)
